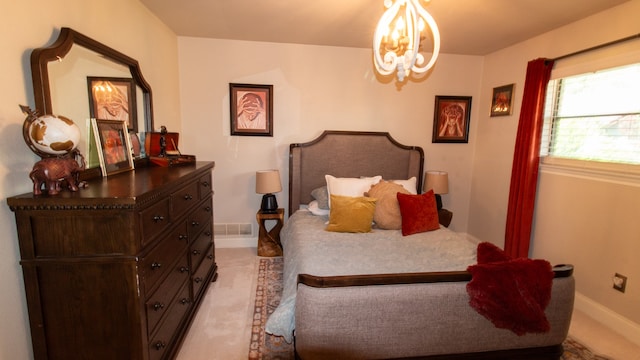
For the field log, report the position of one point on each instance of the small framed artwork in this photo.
(502, 100)
(114, 146)
(451, 119)
(113, 98)
(251, 109)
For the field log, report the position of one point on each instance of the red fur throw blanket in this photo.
(511, 293)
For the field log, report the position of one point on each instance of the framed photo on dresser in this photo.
(114, 146)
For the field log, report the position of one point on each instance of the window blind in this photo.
(594, 116)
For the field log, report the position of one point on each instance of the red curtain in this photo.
(526, 158)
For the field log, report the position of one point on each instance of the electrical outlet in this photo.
(619, 282)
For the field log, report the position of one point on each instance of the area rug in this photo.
(268, 292)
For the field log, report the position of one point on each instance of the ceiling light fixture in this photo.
(396, 42)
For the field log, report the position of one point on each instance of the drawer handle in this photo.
(188, 197)
(205, 183)
(195, 223)
(158, 306)
(196, 252)
(158, 218)
(156, 266)
(210, 256)
(207, 233)
(160, 345)
(197, 280)
(182, 237)
(184, 269)
(207, 208)
(185, 301)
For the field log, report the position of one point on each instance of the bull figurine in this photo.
(53, 172)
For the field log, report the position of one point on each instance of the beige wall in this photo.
(126, 26)
(315, 88)
(588, 222)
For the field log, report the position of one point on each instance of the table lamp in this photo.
(439, 182)
(268, 183)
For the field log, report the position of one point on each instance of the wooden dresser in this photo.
(117, 270)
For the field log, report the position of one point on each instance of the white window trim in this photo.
(626, 174)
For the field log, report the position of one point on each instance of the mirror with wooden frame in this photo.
(64, 74)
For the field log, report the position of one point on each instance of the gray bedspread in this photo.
(309, 249)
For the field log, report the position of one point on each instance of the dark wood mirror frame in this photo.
(41, 57)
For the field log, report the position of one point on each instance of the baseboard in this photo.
(235, 242)
(608, 318)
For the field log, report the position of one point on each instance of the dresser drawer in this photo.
(201, 271)
(158, 303)
(184, 199)
(78, 238)
(154, 220)
(155, 264)
(175, 314)
(198, 248)
(206, 186)
(200, 218)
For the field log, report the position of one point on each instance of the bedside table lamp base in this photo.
(269, 204)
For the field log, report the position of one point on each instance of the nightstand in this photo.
(269, 240)
(445, 217)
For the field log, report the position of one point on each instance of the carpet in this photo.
(268, 291)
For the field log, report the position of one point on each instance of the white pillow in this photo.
(316, 210)
(349, 186)
(409, 184)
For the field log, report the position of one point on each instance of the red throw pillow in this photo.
(419, 213)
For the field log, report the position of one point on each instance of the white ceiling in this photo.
(472, 27)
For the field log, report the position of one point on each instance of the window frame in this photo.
(601, 169)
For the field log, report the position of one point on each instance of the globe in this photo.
(52, 135)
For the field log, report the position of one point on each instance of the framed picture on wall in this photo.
(113, 98)
(451, 119)
(114, 146)
(251, 109)
(502, 100)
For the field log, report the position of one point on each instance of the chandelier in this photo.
(396, 42)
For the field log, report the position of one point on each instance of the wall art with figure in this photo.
(451, 119)
(251, 109)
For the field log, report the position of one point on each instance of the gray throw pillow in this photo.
(322, 197)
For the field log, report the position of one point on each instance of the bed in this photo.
(385, 294)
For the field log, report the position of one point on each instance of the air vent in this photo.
(233, 230)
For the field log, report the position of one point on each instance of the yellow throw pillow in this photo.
(351, 214)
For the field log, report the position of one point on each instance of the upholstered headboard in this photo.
(349, 154)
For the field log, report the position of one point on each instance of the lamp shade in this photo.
(268, 182)
(436, 180)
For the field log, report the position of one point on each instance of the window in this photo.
(594, 116)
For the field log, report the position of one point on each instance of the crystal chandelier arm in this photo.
(431, 23)
(388, 65)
